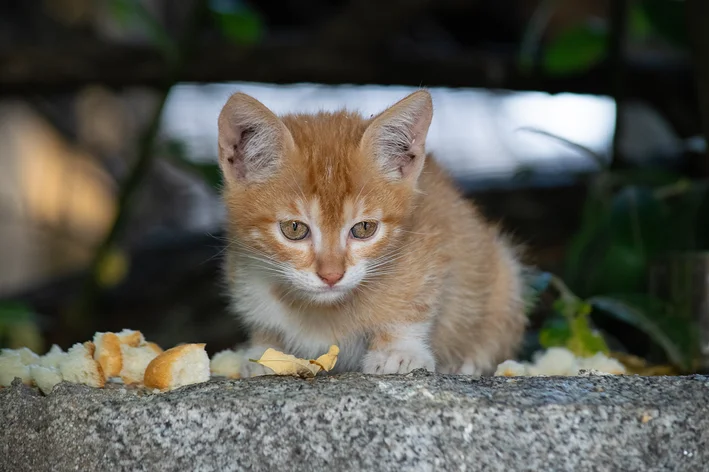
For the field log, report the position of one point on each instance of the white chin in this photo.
(326, 296)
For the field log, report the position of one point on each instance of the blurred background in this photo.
(581, 125)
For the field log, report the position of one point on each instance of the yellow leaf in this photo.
(113, 269)
(327, 361)
(287, 364)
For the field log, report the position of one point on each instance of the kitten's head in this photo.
(316, 203)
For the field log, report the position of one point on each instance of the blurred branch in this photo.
(81, 312)
(616, 56)
(533, 34)
(697, 20)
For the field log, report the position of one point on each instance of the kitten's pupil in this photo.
(295, 226)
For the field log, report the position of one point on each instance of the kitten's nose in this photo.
(331, 277)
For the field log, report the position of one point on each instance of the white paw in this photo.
(253, 369)
(397, 361)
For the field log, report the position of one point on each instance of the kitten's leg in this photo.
(399, 350)
(260, 341)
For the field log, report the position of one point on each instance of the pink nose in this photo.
(331, 278)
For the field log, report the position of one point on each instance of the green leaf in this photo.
(129, 12)
(14, 312)
(572, 329)
(242, 26)
(555, 332)
(668, 18)
(673, 334)
(584, 341)
(576, 49)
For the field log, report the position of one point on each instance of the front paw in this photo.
(393, 361)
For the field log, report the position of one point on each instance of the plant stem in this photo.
(80, 313)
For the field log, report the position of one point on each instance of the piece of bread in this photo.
(182, 365)
(79, 366)
(131, 337)
(108, 353)
(45, 377)
(135, 361)
(156, 349)
(511, 368)
(53, 357)
(27, 356)
(227, 363)
(11, 366)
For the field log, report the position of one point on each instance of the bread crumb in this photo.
(11, 366)
(182, 365)
(135, 361)
(45, 377)
(52, 357)
(27, 356)
(601, 363)
(227, 363)
(511, 369)
(79, 366)
(563, 362)
(131, 337)
(108, 353)
(554, 361)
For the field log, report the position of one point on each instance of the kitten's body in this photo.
(435, 287)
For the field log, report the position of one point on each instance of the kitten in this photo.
(343, 231)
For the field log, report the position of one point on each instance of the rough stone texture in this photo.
(354, 422)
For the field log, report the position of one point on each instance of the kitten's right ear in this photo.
(252, 140)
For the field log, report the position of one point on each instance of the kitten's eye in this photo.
(364, 229)
(294, 230)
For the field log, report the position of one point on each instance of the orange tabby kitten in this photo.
(343, 231)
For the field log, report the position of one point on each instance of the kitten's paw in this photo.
(253, 369)
(394, 361)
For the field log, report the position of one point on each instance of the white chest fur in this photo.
(258, 308)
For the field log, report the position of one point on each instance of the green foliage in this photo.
(18, 326)
(584, 45)
(667, 18)
(133, 12)
(237, 21)
(577, 49)
(570, 327)
(627, 222)
(675, 335)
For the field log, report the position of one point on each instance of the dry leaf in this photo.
(287, 364)
(327, 361)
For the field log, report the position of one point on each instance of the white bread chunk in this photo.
(601, 363)
(511, 368)
(27, 356)
(182, 365)
(554, 361)
(135, 361)
(131, 337)
(45, 377)
(11, 366)
(108, 353)
(79, 366)
(227, 363)
(52, 357)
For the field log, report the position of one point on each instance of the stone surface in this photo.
(354, 422)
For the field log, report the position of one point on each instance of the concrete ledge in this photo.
(355, 422)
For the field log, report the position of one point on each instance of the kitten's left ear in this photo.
(397, 136)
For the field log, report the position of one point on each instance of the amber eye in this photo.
(364, 229)
(294, 230)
